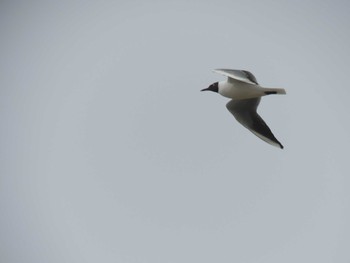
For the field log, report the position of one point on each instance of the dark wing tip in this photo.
(250, 76)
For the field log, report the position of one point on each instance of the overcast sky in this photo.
(109, 152)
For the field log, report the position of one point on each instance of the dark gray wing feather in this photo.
(250, 76)
(245, 113)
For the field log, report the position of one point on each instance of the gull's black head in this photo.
(213, 87)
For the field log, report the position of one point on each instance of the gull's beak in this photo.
(213, 87)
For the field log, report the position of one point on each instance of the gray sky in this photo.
(111, 154)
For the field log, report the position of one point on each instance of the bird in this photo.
(245, 93)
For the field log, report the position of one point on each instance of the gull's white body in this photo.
(240, 87)
(240, 91)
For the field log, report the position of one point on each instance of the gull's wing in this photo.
(241, 75)
(245, 113)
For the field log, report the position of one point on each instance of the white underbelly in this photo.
(241, 91)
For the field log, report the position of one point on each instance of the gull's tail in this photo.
(269, 91)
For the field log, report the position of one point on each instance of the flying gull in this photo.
(245, 94)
